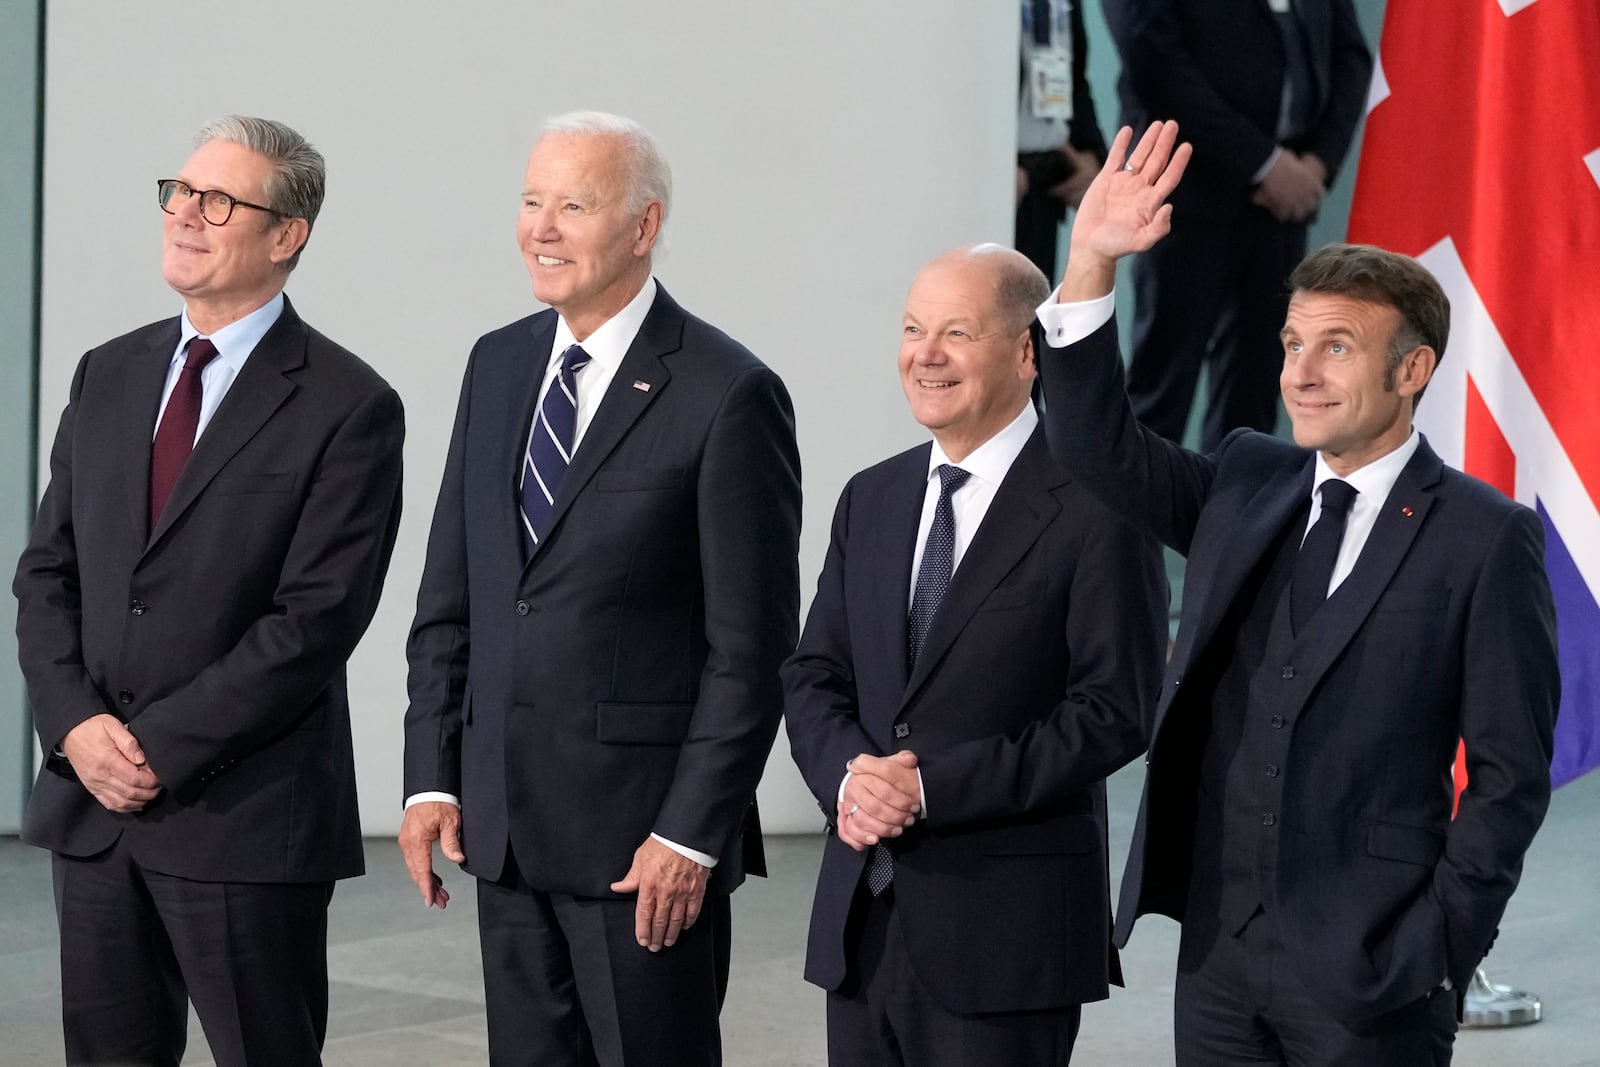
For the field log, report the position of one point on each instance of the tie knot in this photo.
(201, 351)
(1337, 495)
(951, 478)
(574, 359)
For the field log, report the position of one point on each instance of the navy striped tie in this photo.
(550, 447)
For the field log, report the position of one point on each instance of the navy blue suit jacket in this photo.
(1445, 630)
(1031, 687)
(624, 679)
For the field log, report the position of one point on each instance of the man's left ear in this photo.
(290, 240)
(1416, 370)
(1028, 367)
(649, 228)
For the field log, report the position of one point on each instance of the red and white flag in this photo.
(1482, 159)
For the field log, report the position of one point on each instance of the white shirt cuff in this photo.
(1069, 323)
(426, 798)
(699, 857)
(1261, 171)
(922, 793)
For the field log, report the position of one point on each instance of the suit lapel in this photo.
(1250, 539)
(147, 376)
(1397, 526)
(659, 336)
(260, 389)
(1023, 505)
(886, 592)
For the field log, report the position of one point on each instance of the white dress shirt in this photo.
(606, 347)
(234, 342)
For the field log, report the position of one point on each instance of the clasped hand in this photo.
(109, 763)
(882, 799)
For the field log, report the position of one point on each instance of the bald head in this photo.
(1017, 287)
(966, 357)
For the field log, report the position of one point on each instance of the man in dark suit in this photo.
(594, 662)
(1351, 608)
(1059, 143)
(184, 622)
(1269, 92)
(976, 661)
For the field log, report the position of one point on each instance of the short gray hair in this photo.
(299, 178)
(649, 177)
(1020, 287)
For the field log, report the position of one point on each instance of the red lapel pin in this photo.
(1406, 512)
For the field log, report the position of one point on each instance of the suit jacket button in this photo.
(138, 607)
(523, 607)
(125, 696)
(1288, 672)
(902, 730)
(1277, 722)
(1268, 819)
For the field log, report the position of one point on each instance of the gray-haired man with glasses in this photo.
(224, 493)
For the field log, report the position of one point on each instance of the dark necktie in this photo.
(933, 578)
(550, 447)
(938, 562)
(179, 422)
(1313, 567)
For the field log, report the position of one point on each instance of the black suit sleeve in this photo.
(1115, 642)
(821, 709)
(49, 607)
(326, 595)
(1509, 694)
(1084, 134)
(1154, 484)
(748, 514)
(440, 642)
(1350, 76)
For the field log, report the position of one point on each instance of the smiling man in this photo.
(224, 494)
(611, 585)
(1352, 608)
(977, 659)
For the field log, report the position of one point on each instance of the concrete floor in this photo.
(407, 991)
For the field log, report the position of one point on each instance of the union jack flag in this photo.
(1482, 159)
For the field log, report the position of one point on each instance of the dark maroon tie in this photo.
(175, 436)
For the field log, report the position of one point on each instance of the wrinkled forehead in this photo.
(1314, 313)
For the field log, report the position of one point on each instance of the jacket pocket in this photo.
(1408, 844)
(253, 483)
(625, 481)
(642, 724)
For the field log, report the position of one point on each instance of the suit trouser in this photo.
(1212, 292)
(1238, 1001)
(137, 945)
(567, 985)
(883, 1016)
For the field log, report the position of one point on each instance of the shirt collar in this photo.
(236, 340)
(608, 344)
(1374, 481)
(991, 460)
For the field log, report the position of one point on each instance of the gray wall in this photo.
(21, 24)
(817, 165)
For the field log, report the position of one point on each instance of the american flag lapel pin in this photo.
(642, 386)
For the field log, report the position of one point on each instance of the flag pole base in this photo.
(1488, 1006)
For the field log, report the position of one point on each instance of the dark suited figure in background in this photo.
(1352, 607)
(1059, 144)
(594, 662)
(184, 622)
(1269, 92)
(957, 728)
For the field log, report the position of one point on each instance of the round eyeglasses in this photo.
(216, 206)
